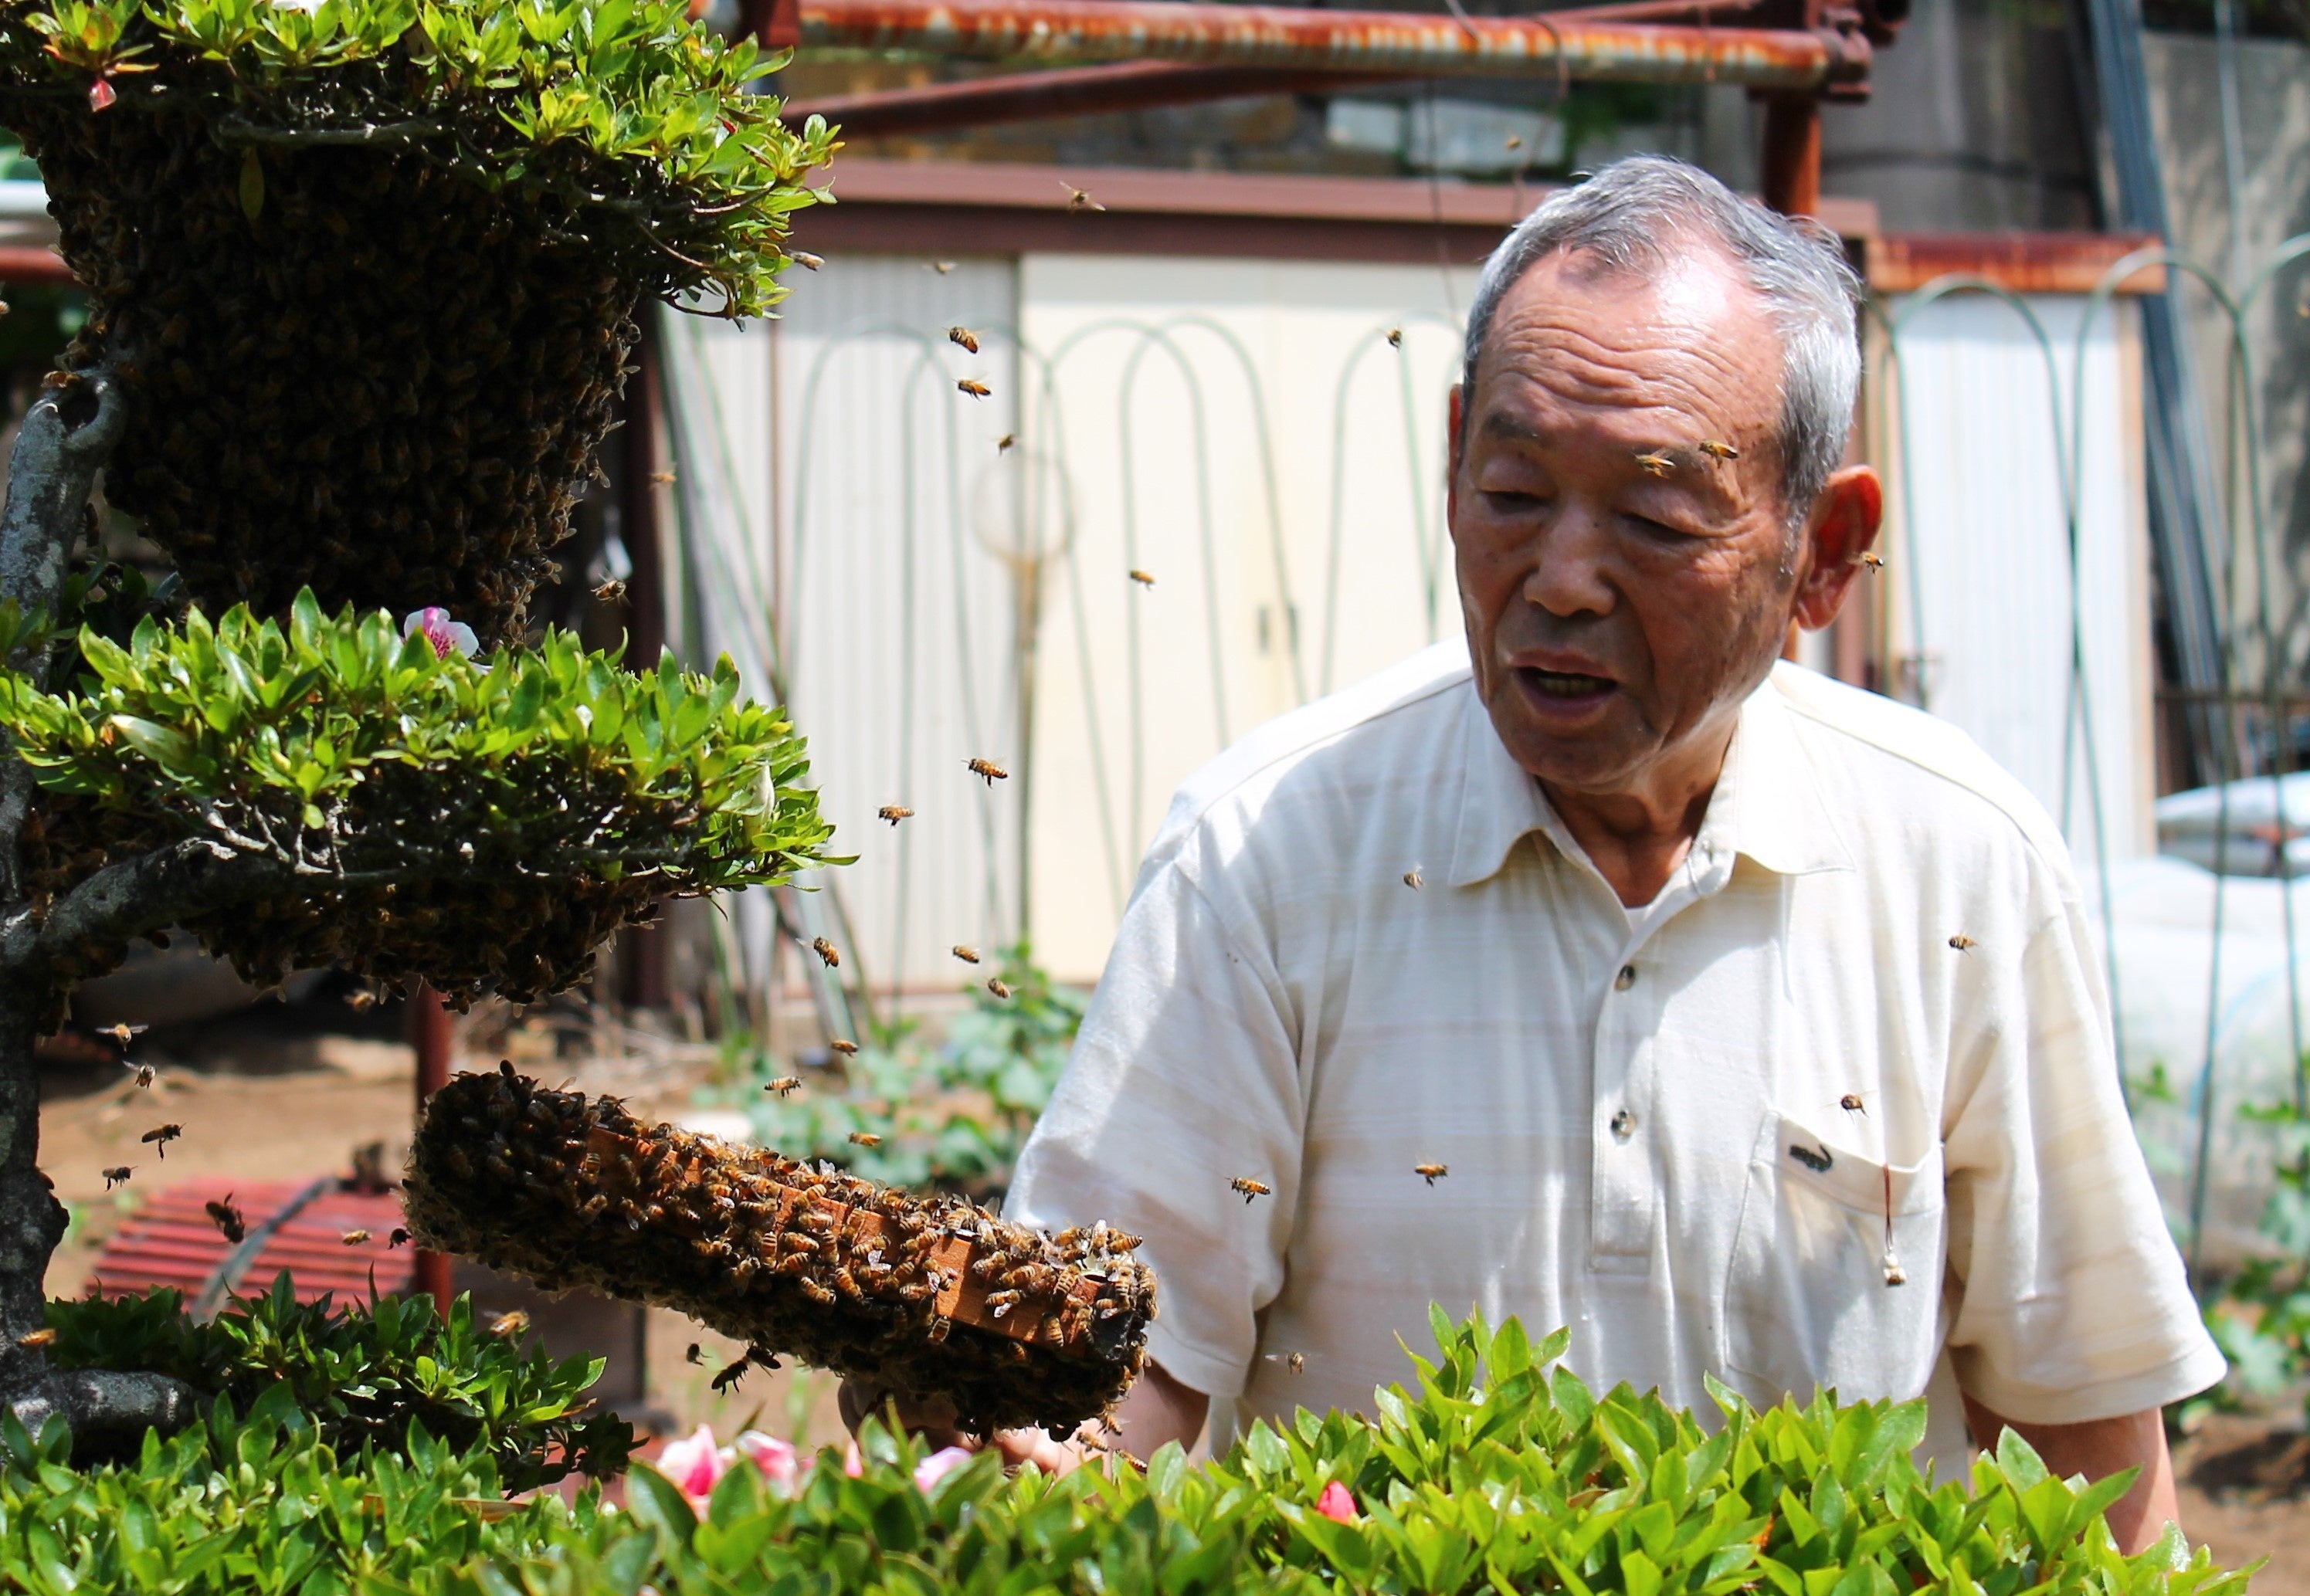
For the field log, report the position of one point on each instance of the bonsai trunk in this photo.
(64, 439)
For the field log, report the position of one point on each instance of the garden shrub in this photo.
(367, 1377)
(482, 823)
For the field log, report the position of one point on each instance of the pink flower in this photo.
(780, 1464)
(695, 1464)
(1337, 1502)
(936, 1467)
(442, 632)
(852, 1463)
(100, 94)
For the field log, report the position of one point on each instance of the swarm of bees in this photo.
(925, 1296)
(374, 393)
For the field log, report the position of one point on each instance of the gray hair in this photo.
(1633, 216)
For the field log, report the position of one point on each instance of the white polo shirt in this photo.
(1642, 1111)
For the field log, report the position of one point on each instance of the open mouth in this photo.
(1564, 684)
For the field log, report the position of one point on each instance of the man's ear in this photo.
(1843, 525)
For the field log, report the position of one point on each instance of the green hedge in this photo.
(1498, 1472)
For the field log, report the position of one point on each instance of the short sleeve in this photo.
(2071, 1302)
(1184, 1077)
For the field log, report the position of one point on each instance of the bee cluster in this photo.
(920, 1296)
(361, 373)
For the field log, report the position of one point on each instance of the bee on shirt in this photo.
(1249, 1187)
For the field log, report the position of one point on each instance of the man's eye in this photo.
(1506, 502)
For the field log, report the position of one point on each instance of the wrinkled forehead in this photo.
(1687, 334)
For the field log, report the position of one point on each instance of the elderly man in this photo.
(1608, 972)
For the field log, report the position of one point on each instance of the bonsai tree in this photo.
(362, 277)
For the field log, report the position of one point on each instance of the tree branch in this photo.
(148, 892)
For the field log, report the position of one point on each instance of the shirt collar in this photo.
(1767, 806)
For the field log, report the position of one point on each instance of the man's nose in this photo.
(1568, 557)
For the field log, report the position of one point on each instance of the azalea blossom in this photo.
(442, 632)
(1336, 1502)
(936, 1467)
(779, 1462)
(694, 1464)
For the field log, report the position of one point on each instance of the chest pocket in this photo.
(1812, 1300)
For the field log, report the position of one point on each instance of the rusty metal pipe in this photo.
(1364, 41)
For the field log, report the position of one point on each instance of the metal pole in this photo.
(429, 1034)
(1791, 160)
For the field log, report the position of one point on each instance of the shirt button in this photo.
(1623, 1124)
(1625, 978)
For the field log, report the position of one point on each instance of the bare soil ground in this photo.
(269, 1103)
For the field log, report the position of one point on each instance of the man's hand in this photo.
(2097, 1449)
(1158, 1409)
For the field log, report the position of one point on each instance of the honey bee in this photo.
(941, 267)
(1296, 1362)
(988, 769)
(844, 1046)
(805, 259)
(974, 388)
(36, 1339)
(826, 950)
(865, 1139)
(508, 1324)
(966, 952)
(1413, 878)
(732, 1373)
(612, 591)
(661, 478)
(1080, 199)
(1873, 560)
(1852, 1103)
(1516, 141)
(1656, 462)
(227, 1218)
(163, 1136)
(117, 1175)
(1430, 1172)
(145, 1075)
(1249, 1187)
(690, 1356)
(994, 985)
(1003, 445)
(1141, 577)
(353, 1238)
(964, 336)
(361, 1000)
(1961, 942)
(783, 1084)
(1395, 338)
(123, 1034)
(399, 1238)
(894, 813)
(1718, 449)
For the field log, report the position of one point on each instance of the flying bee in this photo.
(36, 1339)
(894, 813)
(826, 950)
(987, 769)
(353, 1238)
(1413, 880)
(1656, 462)
(1296, 1362)
(1080, 199)
(1430, 1172)
(612, 591)
(966, 952)
(1395, 338)
(783, 1084)
(1141, 577)
(941, 267)
(361, 1000)
(974, 388)
(227, 1218)
(1003, 445)
(512, 1323)
(690, 1356)
(117, 1175)
(1516, 141)
(124, 1033)
(963, 336)
(1716, 449)
(1852, 1103)
(145, 1075)
(1961, 942)
(1249, 1187)
(865, 1139)
(844, 1046)
(732, 1373)
(805, 259)
(162, 1136)
(399, 1238)
(994, 985)
(1873, 560)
